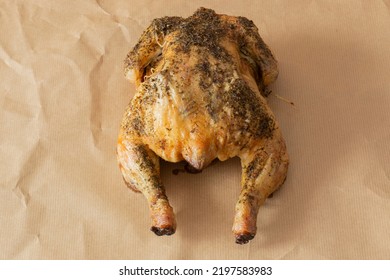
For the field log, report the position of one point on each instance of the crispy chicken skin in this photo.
(201, 87)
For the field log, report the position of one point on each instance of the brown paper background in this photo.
(62, 96)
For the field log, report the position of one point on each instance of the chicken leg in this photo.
(263, 171)
(140, 168)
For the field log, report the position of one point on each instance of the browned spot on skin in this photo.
(163, 144)
(137, 125)
(244, 238)
(163, 231)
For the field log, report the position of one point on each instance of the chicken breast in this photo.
(201, 87)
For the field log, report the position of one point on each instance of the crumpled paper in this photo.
(62, 96)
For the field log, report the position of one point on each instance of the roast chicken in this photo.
(201, 84)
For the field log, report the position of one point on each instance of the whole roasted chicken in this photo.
(201, 87)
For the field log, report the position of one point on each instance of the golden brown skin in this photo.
(201, 88)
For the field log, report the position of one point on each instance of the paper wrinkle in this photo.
(125, 32)
(33, 243)
(291, 251)
(101, 8)
(95, 117)
(387, 4)
(380, 191)
(380, 194)
(28, 113)
(19, 37)
(61, 65)
(59, 28)
(24, 248)
(24, 21)
(16, 66)
(22, 194)
(28, 168)
(94, 46)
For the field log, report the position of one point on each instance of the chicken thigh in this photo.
(201, 87)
